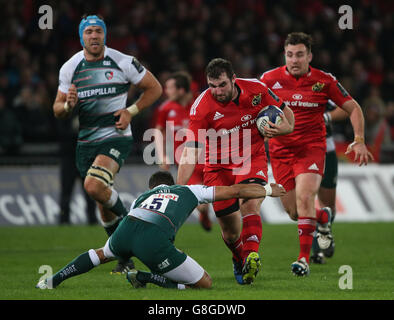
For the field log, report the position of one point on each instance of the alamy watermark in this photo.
(224, 146)
(346, 280)
(46, 20)
(346, 20)
(48, 272)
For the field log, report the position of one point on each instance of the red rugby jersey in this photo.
(307, 97)
(229, 129)
(173, 117)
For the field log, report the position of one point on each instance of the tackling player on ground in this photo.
(223, 124)
(298, 159)
(148, 233)
(96, 80)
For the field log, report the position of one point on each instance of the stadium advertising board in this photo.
(30, 195)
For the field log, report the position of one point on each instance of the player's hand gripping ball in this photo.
(268, 113)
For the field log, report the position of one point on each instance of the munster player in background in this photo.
(222, 122)
(298, 159)
(171, 123)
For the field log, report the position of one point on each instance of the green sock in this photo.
(111, 226)
(147, 277)
(79, 265)
(119, 208)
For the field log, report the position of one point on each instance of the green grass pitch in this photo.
(368, 248)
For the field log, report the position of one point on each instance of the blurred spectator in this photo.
(33, 113)
(10, 129)
(172, 35)
(387, 148)
(68, 133)
(377, 131)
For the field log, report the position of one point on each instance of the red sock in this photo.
(236, 248)
(252, 230)
(306, 228)
(321, 216)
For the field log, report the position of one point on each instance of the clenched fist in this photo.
(124, 119)
(72, 96)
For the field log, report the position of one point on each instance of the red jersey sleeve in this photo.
(337, 93)
(270, 98)
(263, 78)
(198, 120)
(267, 77)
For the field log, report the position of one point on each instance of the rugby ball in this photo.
(268, 113)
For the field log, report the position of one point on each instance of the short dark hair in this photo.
(217, 66)
(182, 80)
(299, 37)
(161, 177)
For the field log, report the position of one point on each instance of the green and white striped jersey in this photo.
(102, 88)
(170, 206)
(330, 144)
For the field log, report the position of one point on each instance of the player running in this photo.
(96, 81)
(148, 233)
(222, 122)
(298, 159)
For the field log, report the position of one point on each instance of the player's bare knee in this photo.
(95, 189)
(251, 206)
(230, 236)
(305, 199)
(90, 186)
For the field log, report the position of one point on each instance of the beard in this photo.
(226, 97)
(96, 52)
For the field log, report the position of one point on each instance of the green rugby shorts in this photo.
(148, 242)
(118, 149)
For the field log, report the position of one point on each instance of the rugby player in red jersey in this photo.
(297, 159)
(172, 118)
(222, 121)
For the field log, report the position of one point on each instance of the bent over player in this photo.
(222, 122)
(148, 233)
(96, 80)
(297, 159)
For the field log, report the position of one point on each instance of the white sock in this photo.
(112, 200)
(94, 257)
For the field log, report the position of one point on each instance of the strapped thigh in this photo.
(102, 174)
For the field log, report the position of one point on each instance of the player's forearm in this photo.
(338, 114)
(160, 139)
(152, 91)
(187, 164)
(185, 171)
(240, 191)
(251, 191)
(59, 110)
(290, 117)
(148, 97)
(356, 117)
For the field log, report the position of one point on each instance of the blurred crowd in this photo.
(168, 35)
